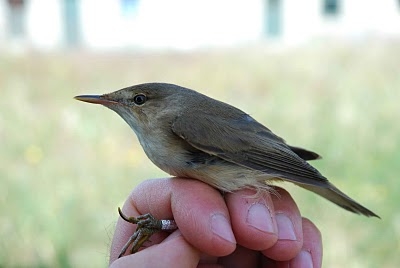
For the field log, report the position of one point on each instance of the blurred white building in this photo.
(188, 24)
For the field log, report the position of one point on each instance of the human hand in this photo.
(235, 230)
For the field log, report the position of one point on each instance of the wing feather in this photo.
(244, 141)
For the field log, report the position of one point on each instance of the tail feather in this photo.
(336, 196)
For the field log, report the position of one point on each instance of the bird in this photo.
(188, 134)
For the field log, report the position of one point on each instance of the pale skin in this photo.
(231, 230)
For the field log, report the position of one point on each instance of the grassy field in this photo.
(66, 166)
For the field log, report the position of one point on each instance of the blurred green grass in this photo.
(66, 166)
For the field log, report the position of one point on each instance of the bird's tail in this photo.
(336, 196)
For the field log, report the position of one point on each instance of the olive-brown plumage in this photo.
(188, 134)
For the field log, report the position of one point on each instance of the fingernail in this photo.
(260, 218)
(304, 259)
(285, 227)
(221, 227)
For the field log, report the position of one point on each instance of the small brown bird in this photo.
(188, 134)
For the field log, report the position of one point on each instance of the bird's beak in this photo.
(96, 99)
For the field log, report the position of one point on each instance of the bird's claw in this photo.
(147, 225)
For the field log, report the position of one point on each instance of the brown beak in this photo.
(96, 99)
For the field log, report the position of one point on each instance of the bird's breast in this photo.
(168, 152)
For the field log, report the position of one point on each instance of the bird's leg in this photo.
(147, 225)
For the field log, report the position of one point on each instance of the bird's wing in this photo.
(305, 154)
(245, 142)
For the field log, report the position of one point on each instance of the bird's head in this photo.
(145, 106)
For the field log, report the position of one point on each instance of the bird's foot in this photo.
(147, 225)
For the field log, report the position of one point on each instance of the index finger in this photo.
(198, 209)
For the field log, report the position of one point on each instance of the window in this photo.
(331, 7)
(16, 18)
(129, 7)
(273, 18)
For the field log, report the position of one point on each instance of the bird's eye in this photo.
(139, 99)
